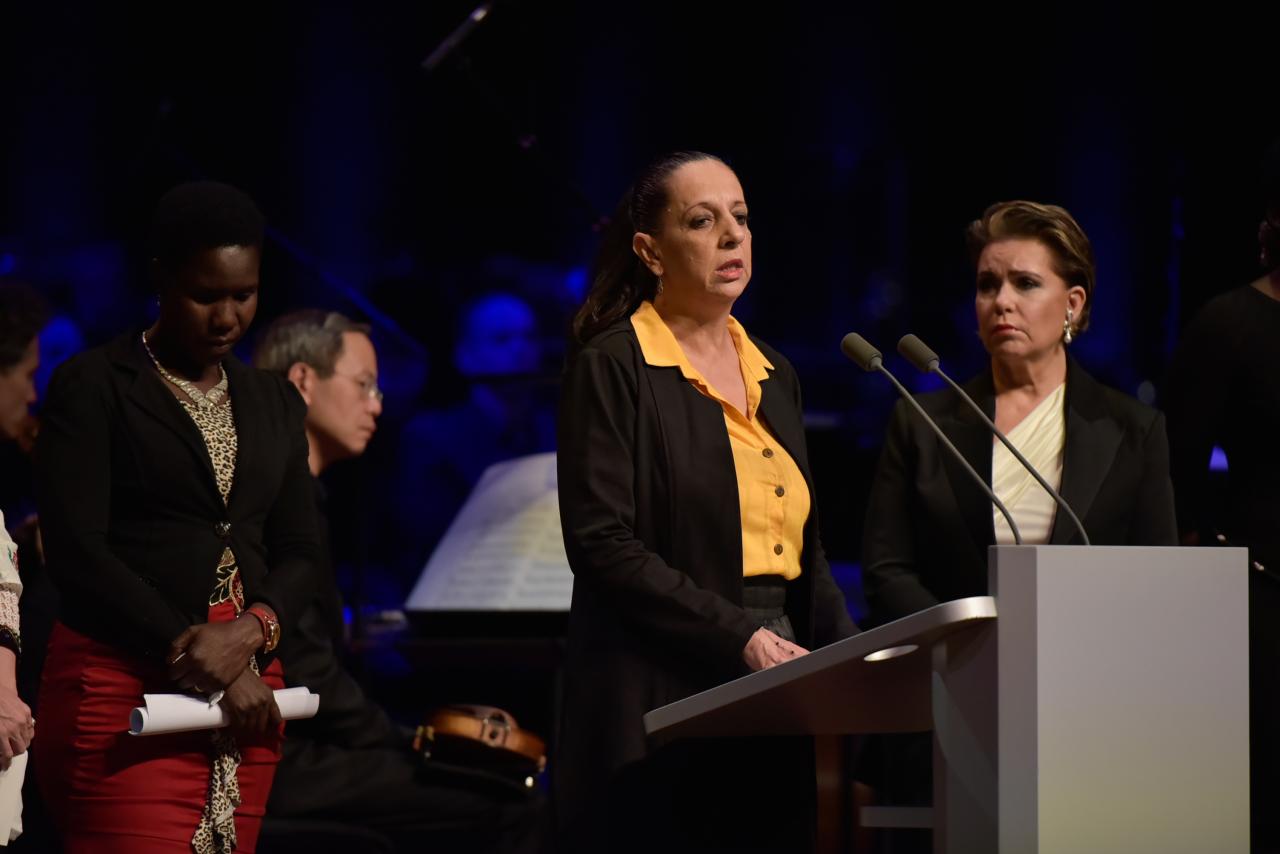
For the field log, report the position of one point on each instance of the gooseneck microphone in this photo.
(918, 353)
(869, 359)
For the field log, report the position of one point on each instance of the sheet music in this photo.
(504, 551)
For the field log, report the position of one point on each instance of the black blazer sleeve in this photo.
(596, 464)
(1154, 520)
(73, 482)
(290, 532)
(892, 583)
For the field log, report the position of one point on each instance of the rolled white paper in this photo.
(11, 799)
(182, 712)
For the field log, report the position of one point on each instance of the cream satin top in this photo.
(1040, 437)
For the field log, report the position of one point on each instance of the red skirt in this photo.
(109, 791)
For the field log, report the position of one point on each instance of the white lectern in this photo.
(1105, 709)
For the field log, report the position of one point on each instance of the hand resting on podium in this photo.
(765, 649)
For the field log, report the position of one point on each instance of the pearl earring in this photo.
(1066, 327)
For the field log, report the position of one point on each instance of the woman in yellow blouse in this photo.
(688, 516)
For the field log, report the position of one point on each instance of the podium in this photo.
(1097, 701)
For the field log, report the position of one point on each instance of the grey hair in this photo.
(311, 336)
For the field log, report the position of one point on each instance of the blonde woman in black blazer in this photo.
(928, 525)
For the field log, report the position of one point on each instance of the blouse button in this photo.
(777, 549)
(779, 492)
(222, 529)
(768, 453)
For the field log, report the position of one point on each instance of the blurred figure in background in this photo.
(22, 383)
(506, 414)
(22, 314)
(1224, 391)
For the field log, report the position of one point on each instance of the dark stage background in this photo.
(866, 140)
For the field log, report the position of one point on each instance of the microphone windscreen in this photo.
(918, 353)
(861, 352)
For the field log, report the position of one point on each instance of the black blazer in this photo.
(132, 520)
(929, 525)
(649, 509)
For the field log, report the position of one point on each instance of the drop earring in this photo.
(1066, 327)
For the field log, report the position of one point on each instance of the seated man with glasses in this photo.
(351, 763)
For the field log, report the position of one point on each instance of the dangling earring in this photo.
(659, 290)
(1066, 327)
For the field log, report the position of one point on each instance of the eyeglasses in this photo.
(367, 385)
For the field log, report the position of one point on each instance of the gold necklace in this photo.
(203, 400)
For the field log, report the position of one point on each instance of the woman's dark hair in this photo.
(619, 281)
(202, 215)
(22, 315)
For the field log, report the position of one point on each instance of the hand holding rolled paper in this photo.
(209, 656)
(164, 713)
(249, 705)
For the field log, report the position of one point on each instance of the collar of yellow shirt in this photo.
(662, 350)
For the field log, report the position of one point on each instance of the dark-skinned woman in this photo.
(179, 526)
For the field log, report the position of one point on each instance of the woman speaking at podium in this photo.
(928, 524)
(688, 515)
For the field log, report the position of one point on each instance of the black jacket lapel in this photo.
(1093, 437)
(973, 440)
(148, 390)
(248, 408)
